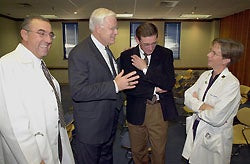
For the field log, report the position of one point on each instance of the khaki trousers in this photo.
(153, 133)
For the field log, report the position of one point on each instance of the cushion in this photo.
(244, 90)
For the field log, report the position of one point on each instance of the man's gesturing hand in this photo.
(127, 81)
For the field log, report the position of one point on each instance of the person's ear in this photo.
(98, 28)
(24, 34)
(137, 40)
(226, 61)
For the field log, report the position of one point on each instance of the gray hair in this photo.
(97, 17)
(27, 21)
(230, 49)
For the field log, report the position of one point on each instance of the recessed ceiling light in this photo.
(126, 15)
(195, 16)
(49, 16)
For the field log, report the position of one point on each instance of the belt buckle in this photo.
(150, 102)
(198, 119)
(153, 101)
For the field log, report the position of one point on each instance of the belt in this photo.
(150, 102)
(195, 125)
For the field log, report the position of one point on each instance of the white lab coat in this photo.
(213, 142)
(29, 113)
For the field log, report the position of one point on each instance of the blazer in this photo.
(160, 73)
(95, 100)
(213, 141)
(29, 113)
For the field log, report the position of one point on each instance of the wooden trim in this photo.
(237, 27)
(58, 68)
(193, 68)
(177, 68)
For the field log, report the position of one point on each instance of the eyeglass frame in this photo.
(214, 53)
(148, 44)
(42, 33)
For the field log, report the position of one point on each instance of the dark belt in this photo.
(150, 102)
(195, 125)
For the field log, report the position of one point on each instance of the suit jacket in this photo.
(29, 112)
(160, 73)
(95, 100)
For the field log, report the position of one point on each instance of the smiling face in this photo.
(37, 38)
(107, 31)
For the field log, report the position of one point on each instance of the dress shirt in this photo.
(145, 69)
(143, 56)
(102, 50)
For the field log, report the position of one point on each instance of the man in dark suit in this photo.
(151, 104)
(95, 89)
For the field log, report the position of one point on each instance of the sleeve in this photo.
(87, 81)
(224, 96)
(163, 75)
(225, 101)
(190, 101)
(14, 123)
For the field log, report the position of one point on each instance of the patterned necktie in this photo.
(60, 109)
(110, 55)
(146, 58)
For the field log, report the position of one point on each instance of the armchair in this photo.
(241, 131)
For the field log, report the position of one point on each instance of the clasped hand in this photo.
(138, 62)
(203, 106)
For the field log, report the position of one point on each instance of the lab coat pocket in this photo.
(212, 142)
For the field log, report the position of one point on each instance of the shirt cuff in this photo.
(144, 70)
(116, 87)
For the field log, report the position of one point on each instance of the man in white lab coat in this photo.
(215, 99)
(29, 119)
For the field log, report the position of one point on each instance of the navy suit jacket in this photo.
(160, 74)
(95, 101)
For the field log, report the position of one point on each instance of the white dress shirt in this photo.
(102, 50)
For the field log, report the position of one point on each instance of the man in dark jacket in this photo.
(151, 104)
(96, 85)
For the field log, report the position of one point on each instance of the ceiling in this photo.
(142, 9)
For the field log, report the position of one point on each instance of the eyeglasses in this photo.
(42, 33)
(214, 53)
(148, 44)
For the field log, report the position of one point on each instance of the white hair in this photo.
(97, 17)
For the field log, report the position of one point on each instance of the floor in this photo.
(176, 138)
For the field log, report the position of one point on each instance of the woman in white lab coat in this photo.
(215, 99)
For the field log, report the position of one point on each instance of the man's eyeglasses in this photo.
(148, 44)
(42, 33)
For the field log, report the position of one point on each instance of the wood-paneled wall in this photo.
(237, 27)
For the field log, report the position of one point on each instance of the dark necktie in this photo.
(110, 55)
(146, 58)
(60, 109)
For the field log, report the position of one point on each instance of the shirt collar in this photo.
(27, 56)
(98, 44)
